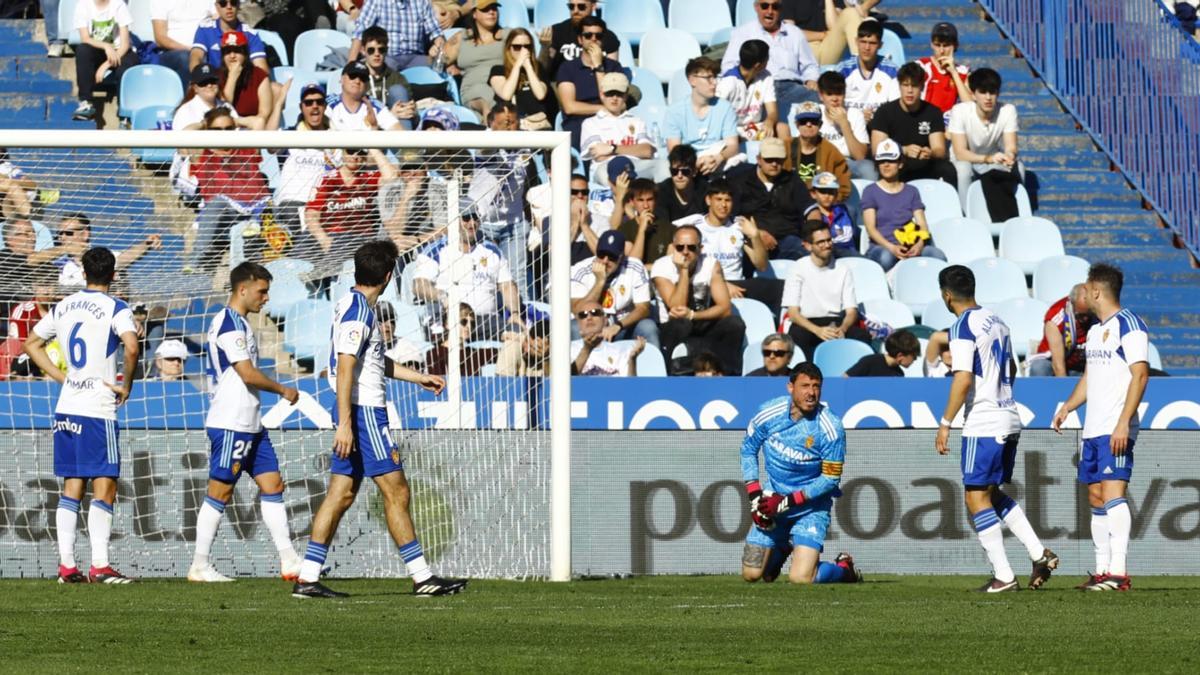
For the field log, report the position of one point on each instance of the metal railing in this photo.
(1131, 77)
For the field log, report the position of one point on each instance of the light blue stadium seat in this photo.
(752, 357)
(66, 21)
(143, 86)
(427, 75)
(153, 117)
(861, 184)
(273, 40)
(546, 13)
(1029, 240)
(625, 54)
(780, 269)
(650, 362)
(299, 339)
(892, 312)
(665, 51)
(834, 357)
(678, 88)
(1024, 318)
(757, 317)
(653, 114)
(651, 88)
(312, 46)
(997, 279)
(977, 206)
(745, 12)
(282, 73)
(916, 282)
(142, 27)
(870, 281)
(630, 19)
(1054, 277)
(464, 114)
(940, 199)
(1153, 358)
(962, 239)
(935, 315)
(334, 88)
(892, 48)
(285, 292)
(701, 18)
(514, 15)
(720, 36)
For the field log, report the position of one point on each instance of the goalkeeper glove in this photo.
(778, 504)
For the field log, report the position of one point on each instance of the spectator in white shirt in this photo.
(175, 23)
(620, 285)
(354, 110)
(870, 81)
(614, 130)
(819, 295)
(984, 136)
(845, 128)
(750, 89)
(594, 355)
(791, 60)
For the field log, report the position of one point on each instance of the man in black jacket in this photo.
(776, 199)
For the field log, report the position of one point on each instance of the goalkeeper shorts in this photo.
(235, 452)
(807, 529)
(86, 447)
(374, 453)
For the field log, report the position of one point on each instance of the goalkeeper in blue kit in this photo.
(803, 446)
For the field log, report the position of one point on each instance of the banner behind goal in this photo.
(487, 459)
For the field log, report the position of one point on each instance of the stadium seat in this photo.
(653, 114)
(962, 239)
(1024, 319)
(427, 75)
(1153, 357)
(678, 88)
(756, 316)
(782, 268)
(630, 19)
(514, 15)
(916, 282)
(282, 74)
(701, 18)
(299, 339)
(650, 362)
(834, 357)
(66, 21)
(935, 315)
(721, 36)
(977, 206)
(892, 48)
(665, 50)
(997, 279)
(1054, 277)
(273, 40)
(464, 114)
(870, 282)
(647, 82)
(1029, 240)
(940, 199)
(143, 86)
(752, 358)
(285, 292)
(892, 312)
(142, 27)
(312, 46)
(745, 12)
(153, 117)
(860, 184)
(625, 55)
(546, 13)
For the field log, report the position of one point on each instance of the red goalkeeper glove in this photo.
(755, 494)
(779, 504)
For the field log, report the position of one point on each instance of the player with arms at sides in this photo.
(235, 432)
(362, 445)
(983, 371)
(803, 446)
(1112, 385)
(92, 325)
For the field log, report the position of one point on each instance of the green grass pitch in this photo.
(657, 623)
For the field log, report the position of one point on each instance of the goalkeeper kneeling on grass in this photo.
(803, 446)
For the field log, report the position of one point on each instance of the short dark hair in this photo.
(811, 227)
(707, 361)
(752, 53)
(373, 261)
(384, 311)
(216, 114)
(900, 343)
(578, 176)
(592, 20)
(718, 186)
(540, 328)
(701, 64)
(78, 217)
(984, 81)
(246, 272)
(375, 34)
(1108, 276)
(958, 280)
(869, 28)
(99, 265)
(831, 83)
(806, 368)
(497, 108)
(682, 154)
(912, 73)
(640, 186)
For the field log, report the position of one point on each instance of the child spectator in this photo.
(105, 49)
(829, 210)
(812, 154)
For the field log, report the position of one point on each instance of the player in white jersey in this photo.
(363, 445)
(983, 370)
(234, 425)
(92, 325)
(1112, 385)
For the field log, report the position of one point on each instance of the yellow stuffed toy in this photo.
(910, 234)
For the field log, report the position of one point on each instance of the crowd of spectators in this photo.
(672, 218)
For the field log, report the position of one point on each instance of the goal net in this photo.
(470, 299)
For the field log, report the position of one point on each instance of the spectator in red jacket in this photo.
(1061, 350)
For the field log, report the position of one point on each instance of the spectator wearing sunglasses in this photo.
(777, 352)
(206, 44)
(384, 84)
(74, 236)
(517, 78)
(694, 306)
(578, 80)
(414, 36)
(683, 193)
(618, 283)
(563, 37)
(301, 169)
(353, 110)
(592, 354)
(791, 61)
(811, 154)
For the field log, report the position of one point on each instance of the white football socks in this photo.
(66, 518)
(274, 514)
(100, 517)
(991, 537)
(206, 528)
(1019, 525)
(1120, 522)
(1100, 539)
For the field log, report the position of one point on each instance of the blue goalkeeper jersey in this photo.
(804, 455)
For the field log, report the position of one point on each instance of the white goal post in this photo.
(111, 197)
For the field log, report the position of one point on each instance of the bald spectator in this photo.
(791, 62)
(1061, 351)
(592, 354)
